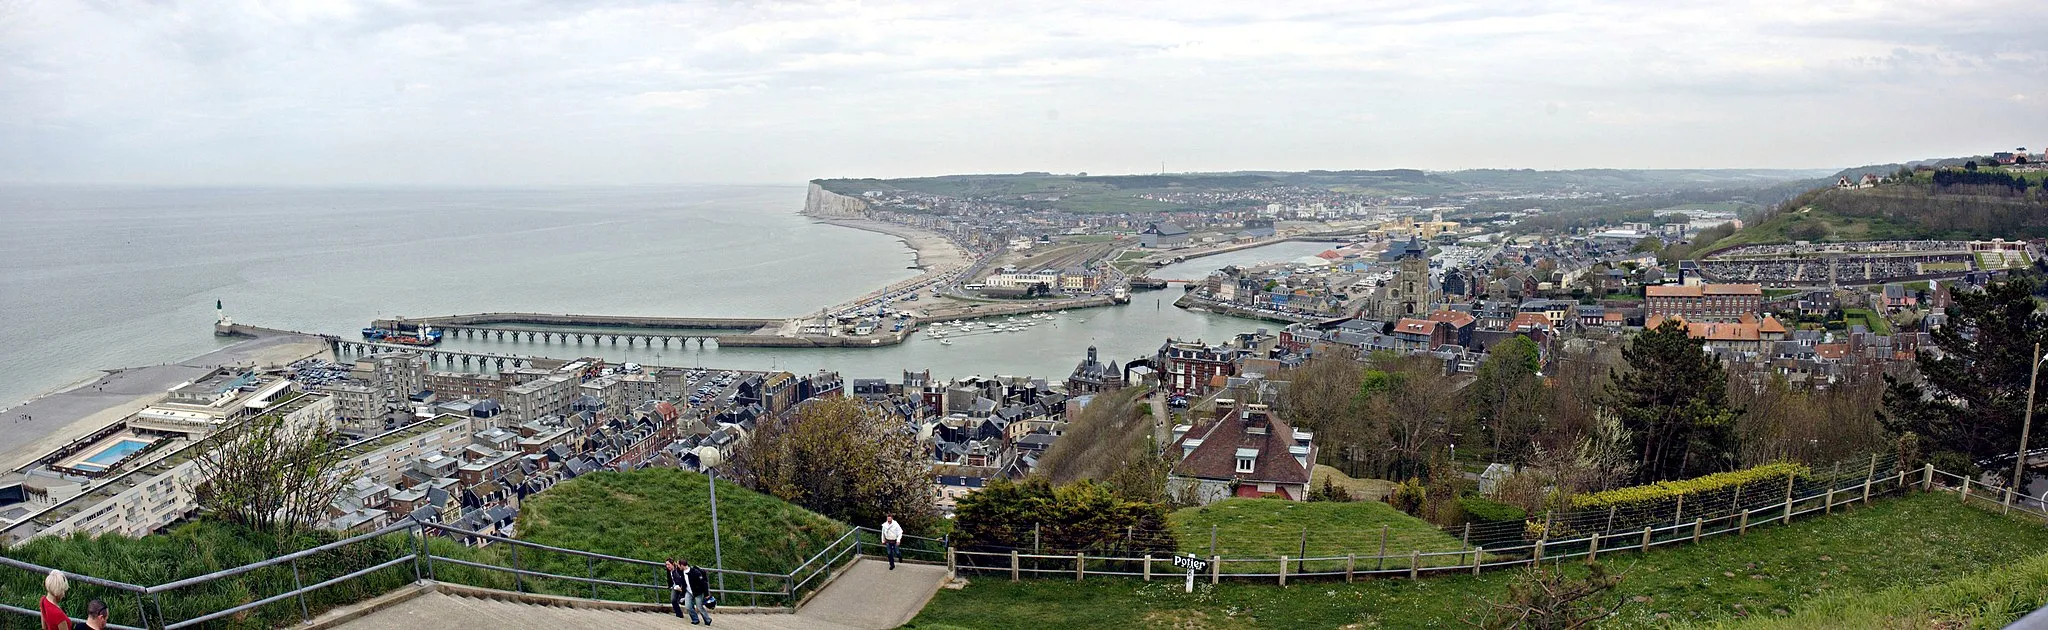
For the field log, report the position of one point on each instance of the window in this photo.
(1244, 464)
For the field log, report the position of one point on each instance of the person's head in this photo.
(96, 613)
(889, 517)
(668, 562)
(682, 563)
(56, 586)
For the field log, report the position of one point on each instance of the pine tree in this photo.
(1673, 401)
(1971, 397)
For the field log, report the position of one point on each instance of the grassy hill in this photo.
(1918, 543)
(654, 513)
(1895, 212)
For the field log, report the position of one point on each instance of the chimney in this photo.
(1225, 407)
(1256, 420)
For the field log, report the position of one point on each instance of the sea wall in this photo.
(824, 203)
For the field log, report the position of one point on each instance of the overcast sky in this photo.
(560, 92)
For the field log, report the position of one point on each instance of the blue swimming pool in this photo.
(114, 453)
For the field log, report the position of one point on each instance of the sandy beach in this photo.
(933, 250)
(51, 420)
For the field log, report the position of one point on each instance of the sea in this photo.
(93, 278)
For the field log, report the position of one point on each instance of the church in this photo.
(1409, 293)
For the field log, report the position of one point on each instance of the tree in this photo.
(1504, 398)
(1672, 400)
(842, 458)
(1971, 397)
(270, 474)
(1650, 244)
(1970, 165)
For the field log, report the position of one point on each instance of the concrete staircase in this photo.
(865, 596)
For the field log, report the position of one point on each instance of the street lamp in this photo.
(2019, 462)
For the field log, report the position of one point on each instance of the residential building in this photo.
(1704, 302)
(1194, 367)
(1093, 376)
(1244, 452)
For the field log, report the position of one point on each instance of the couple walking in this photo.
(689, 588)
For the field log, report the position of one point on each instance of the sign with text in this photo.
(1190, 563)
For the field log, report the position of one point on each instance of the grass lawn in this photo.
(1877, 324)
(1911, 544)
(1274, 527)
(655, 513)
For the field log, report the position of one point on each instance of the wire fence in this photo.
(1555, 535)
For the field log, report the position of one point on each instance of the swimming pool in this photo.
(115, 452)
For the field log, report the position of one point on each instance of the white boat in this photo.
(945, 342)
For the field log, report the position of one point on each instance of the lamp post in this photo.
(2019, 462)
(717, 553)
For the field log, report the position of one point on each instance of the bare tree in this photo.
(270, 474)
(842, 458)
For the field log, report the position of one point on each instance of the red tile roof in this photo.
(1216, 456)
(1457, 319)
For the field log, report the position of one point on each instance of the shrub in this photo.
(1408, 496)
(1080, 516)
(1479, 509)
(1665, 492)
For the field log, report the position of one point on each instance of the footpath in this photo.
(868, 596)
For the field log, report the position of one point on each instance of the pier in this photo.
(435, 356)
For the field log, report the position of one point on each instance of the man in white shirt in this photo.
(892, 538)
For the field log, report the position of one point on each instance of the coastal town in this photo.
(467, 445)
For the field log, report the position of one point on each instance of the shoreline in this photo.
(56, 418)
(924, 244)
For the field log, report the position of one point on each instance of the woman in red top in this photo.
(53, 616)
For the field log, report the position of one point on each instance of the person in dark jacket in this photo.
(677, 584)
(696, 589)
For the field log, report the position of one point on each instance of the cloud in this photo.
(369, 90)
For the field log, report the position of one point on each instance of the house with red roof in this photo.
(1246, 451)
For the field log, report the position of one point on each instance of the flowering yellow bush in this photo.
(1668, 491)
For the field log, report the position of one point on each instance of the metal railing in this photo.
(604, 575)
(632, 580)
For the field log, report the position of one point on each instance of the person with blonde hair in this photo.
(54, 588)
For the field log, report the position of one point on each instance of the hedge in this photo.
(1480, 509)
(1669, 491)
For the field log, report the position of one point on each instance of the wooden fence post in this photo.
(1697, 525)
(1539, 549)
(1743, 529)
(2007, 508)
(1283, 570)
(1013, 565)
(1466, 538)
(1593, 550)
(1383, 548)
(1478, 560)
(1080, 565)
(1830, 509)
(1148, 567)
(1866, 489)
(1215, 569)
(1927, 478)
(1415, 564)
(952, 565)
(1788, 498)
(1647, 530)
(1966, 491)
(1608, 529)
(1350, 570)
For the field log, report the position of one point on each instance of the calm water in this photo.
(94, 278)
